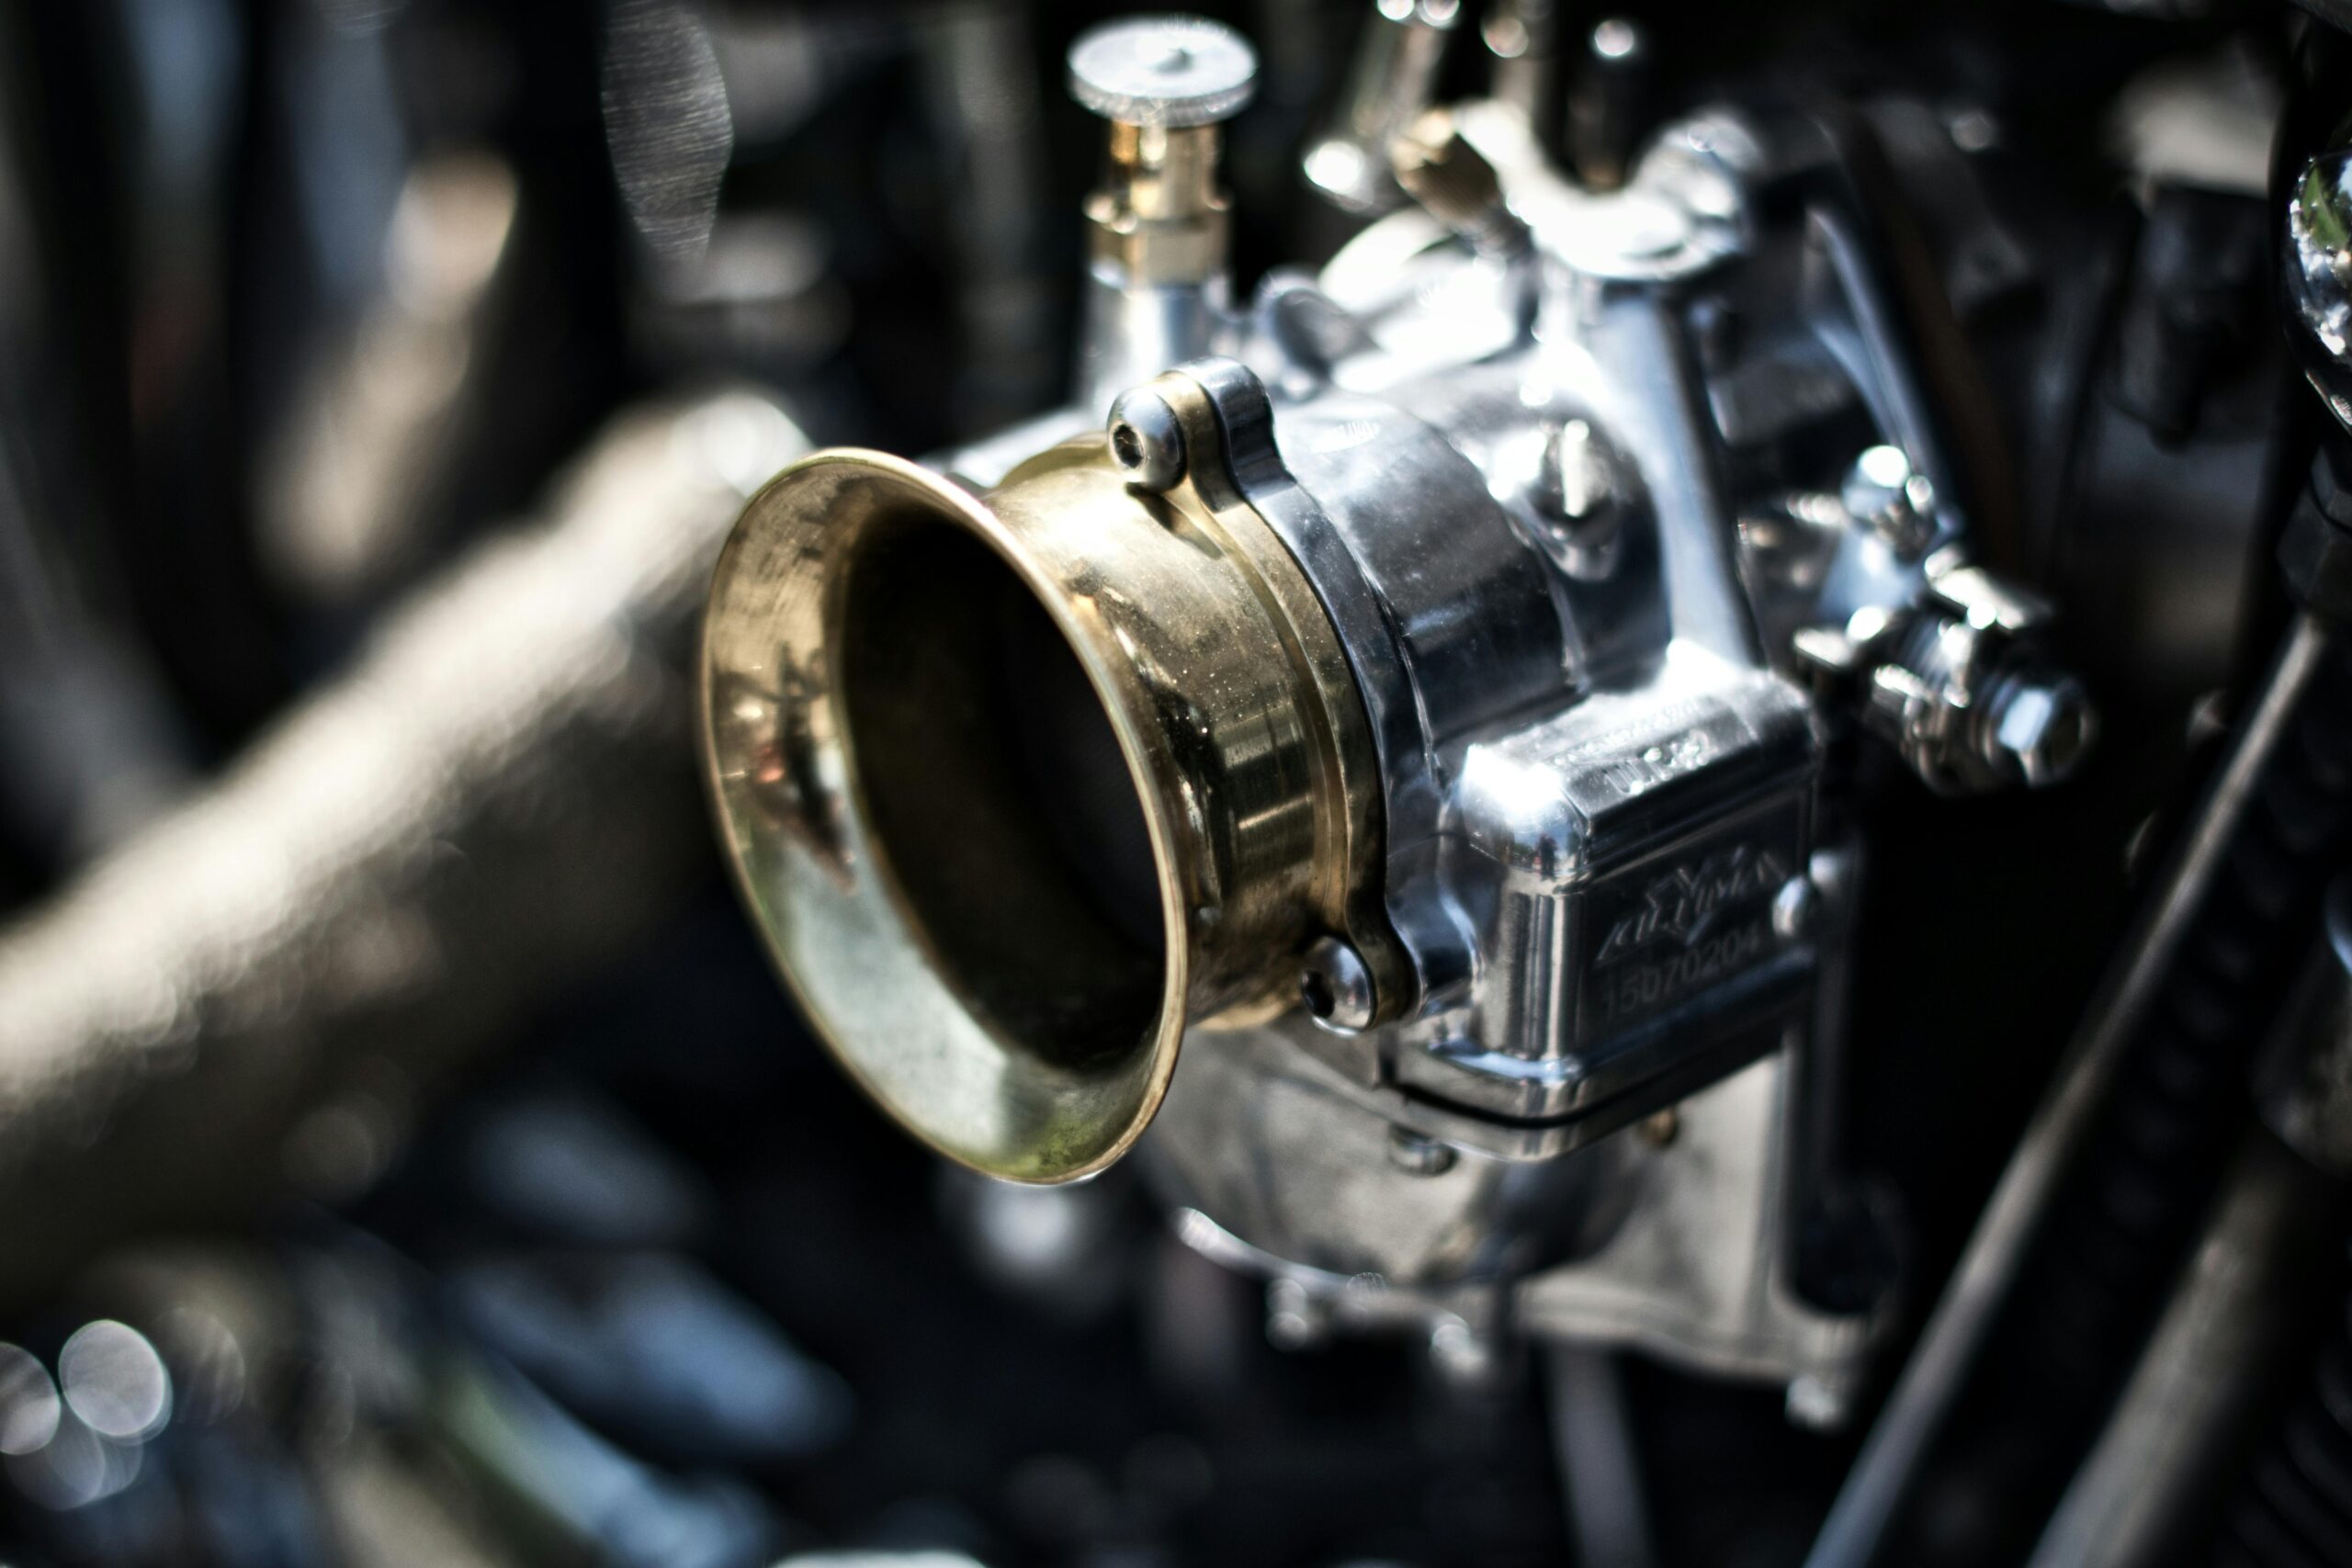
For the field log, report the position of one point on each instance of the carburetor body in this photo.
(1384, 732)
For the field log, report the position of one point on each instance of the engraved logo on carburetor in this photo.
(1683, 903)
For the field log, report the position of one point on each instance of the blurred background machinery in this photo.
(405, 1155)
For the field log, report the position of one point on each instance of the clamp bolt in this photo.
(1147, 440)
(1336, 986)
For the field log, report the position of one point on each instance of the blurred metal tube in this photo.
(497, 797)
(1395, 73)
(1600, 1469)
(2210, 1376)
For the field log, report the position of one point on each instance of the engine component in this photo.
(1442, 758)
(1419, 707)
(2196, 990)
(2319, 291)
(1391, 79)
(1157, 288)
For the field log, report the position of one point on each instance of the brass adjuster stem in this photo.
(1158, 217)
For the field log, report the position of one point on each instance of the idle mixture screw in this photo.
(1170, 72)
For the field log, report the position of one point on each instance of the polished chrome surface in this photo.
(1474, 699)
(1131, 330)
(1275, 1145)
(2318, 263)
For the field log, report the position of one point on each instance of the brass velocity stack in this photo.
(1019, 785)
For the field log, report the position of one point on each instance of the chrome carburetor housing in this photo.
(1476, 622)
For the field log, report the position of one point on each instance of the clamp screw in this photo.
(1394, 72)
(1336, 986)
(1147, 440)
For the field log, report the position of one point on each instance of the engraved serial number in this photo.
(1644, 987)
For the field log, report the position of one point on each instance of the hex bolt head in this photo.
(1463, 1357)
(1147, 440)
(2044, 726)
(1617, 39)
(1336, 986)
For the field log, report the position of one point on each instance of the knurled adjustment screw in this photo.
(1170, 72)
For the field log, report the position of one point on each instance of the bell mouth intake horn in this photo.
(1018, 787)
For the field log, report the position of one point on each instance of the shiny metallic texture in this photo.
(929, 869)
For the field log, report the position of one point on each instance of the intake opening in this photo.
(997, 797)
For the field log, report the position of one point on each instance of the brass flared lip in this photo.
(831, 915)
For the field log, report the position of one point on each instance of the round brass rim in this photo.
(1241, 735)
